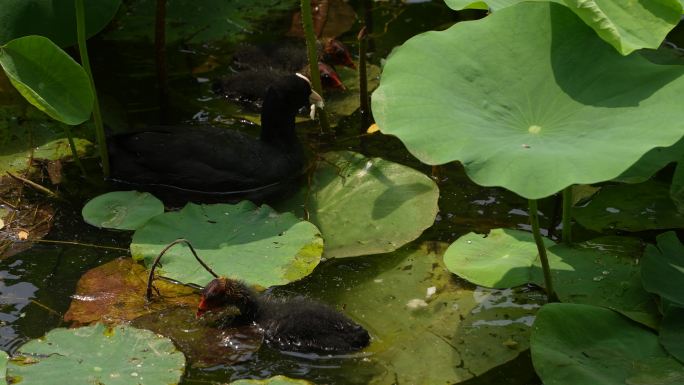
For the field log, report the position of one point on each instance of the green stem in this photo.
(74, 152)
(363, 82)
(546, 268)
(97, 117)
(312, 54)
(567, 215)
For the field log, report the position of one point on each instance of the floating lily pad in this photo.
(663, 268)
(344, 103)
(97, 354)
(203, 344)
(636, 207)
(254, 244)
(3, 367)
(122, 210)
(115, 293)
(527, 125)
(210, 21)
(672, 332)
(602, 272)
(504, 258)
(366, 205)
(461, 331)
(54, 20)
(48, 78)
(580, 344)
(277, 380)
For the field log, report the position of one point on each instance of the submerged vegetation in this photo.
(552, 127)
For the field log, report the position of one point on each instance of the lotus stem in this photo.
(567, 215)
(363, 81)
(546, 268)
(85, 62)
(312, 54)
(160, 59)
(74, 152)
(150, 278)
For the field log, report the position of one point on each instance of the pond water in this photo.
(36, 285)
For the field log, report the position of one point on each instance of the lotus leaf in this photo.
(672, 332)
(503, 259)
(651, 162)
(277, 380)
(637, 207)
(662, 272)
(539, 123)
(115, 293)
(193, 23)
(366, 205)
(242, 241)
(97, 355)
(3, 367)
(494, 5)
(345, 103)
(54, 20)
(434, 318)
(581, 344)
(48, 78)
(122, 210)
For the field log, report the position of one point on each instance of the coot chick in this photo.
(296, 324)
(214, 162)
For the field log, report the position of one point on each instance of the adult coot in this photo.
(296, 324)
(207, 163)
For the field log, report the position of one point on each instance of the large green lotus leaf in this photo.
(48, 78)
(197, 23)
(651, 162)
(243, 241)
(636, 207)
(121, 210)
(553, 116)
(461, 331)
(503, 259)
(366, 205)
(672, 332)
(581, 344)
(55, 20)
(204, 344)
(629, 25)
(97, 355)
(277, 380)
(494, 5)
(662, 272)
(677, 187)
(115, 293)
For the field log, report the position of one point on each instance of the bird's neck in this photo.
(248, 304)
(277, 121)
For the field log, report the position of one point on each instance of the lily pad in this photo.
(115, 293)
(529, 125)
(3, 367)
(277, 380)
(48, 78)
(54, 20)
(504, 258)
(344, 103)
(636, 207)
(366, 205)
(460, 330)
(122, 210)
(662, 272)
(581, 344)
(254, 244)
(672, 332)
(97, 354)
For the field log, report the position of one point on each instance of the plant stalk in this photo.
(85, 62)
(312, 54)
(363, 81)
(546, 268)
(74, 152)
(566, 237)
(150, 278)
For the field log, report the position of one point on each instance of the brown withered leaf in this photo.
(115, 293)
